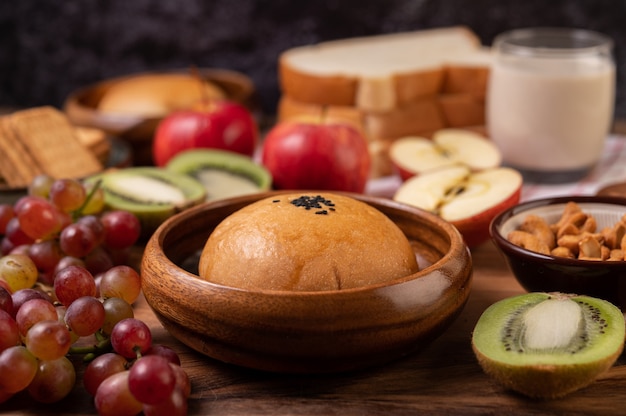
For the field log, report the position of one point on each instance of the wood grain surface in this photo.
(443, 379)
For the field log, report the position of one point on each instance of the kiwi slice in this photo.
(151, 193)
(223, 173)
(547, 345)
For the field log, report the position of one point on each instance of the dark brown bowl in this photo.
(81, 107)
(306, 332)
(544, 273)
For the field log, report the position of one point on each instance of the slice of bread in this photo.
(461, 110)
(415, 118)
(375, 73)
(468, 74)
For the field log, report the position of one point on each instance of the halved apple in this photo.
(413, 155)
(469, 200)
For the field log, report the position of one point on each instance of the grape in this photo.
(23, 249)
(174, 405)
(48, 340)
(46, 254)
(182, 380)
(6, 213)
(67, 194)
(60, 235)
(72, 283)
(22, 296)
(33, 311)
(151, 379)
(6, 300)
(9, 331)
(100, 368)
(122, 282)
(6, 246)
(38, 218)
(131, 337)
(18, 270)
(15, 234)
(114, 398)
(121, 229)
(68, 261)
(17, 368)
(66, 219)
(120, 256)
(77, 240)
(84, 316)
(94, 223)
(115, 310)
(54, 380)
(164, 351)
(98, 261)
(40, 186)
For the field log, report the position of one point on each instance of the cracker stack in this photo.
(396, 85)
(42, 141)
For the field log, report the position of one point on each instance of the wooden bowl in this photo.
(81, 107)
(306, 332)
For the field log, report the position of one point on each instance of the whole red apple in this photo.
(219, 125)
(302, 154)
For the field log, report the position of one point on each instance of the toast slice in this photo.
(375, 73)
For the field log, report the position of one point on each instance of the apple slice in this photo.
(414, 155)
(467, 199)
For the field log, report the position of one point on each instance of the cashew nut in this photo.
(538, 227)
(573, 235)
(528, 241)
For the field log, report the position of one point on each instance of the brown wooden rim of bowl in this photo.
(513, 249)
(457, 248)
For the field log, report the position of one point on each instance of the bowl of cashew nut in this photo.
(571, 244)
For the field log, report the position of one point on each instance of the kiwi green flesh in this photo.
(570, 361)
(151, 189)
(141, 190)
(223, 173)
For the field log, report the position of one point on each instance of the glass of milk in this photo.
(550, 101)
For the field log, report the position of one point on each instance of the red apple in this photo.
(413, 155)
(468, 200)
(219, 125)
(313, 154)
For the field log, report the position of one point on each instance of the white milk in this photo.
(551, 114)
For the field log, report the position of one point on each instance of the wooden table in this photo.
(443, 379)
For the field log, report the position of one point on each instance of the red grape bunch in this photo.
(65, 290)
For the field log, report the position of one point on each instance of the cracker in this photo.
(51, 140)
(17, 166)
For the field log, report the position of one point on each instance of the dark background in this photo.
(50, 47)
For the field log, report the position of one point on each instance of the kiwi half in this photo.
(151, 193)
(547, 345)
(223, 173)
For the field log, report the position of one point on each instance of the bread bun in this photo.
(155, 95)
(304, 242)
